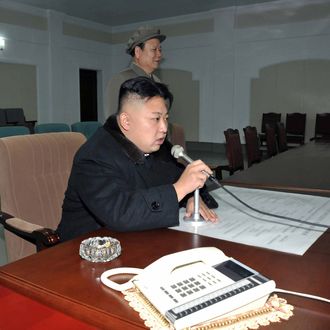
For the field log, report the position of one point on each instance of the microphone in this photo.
(177, 151)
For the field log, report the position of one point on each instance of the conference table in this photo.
(70, 287)
(305, 169)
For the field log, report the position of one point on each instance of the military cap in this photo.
(142, 34)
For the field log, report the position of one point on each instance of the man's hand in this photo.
(192, 178)
(205, 212)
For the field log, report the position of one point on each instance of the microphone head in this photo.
(177, 151)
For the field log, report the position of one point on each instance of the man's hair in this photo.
(143, 88)
(140, 45)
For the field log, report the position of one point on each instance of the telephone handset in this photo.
(197, 285)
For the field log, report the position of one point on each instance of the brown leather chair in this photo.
(268, 118)
(254, 152)
(234, 154)
(176, 134)
(322, 127)
(281, 137)
(34, 171)
(295, 125)
(271, 141)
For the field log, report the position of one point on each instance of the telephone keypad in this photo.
(192, 285)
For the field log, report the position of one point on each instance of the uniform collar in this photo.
(138, 70)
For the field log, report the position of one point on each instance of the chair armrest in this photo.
(35, 234)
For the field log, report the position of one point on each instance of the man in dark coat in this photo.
(124, 177)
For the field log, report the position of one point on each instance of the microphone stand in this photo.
(195, 219)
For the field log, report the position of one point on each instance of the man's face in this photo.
(150, 56)
(145, 122)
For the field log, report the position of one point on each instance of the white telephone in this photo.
(197, 285)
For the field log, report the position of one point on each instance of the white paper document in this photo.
(238, 223)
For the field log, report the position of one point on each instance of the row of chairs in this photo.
(295, 126)
(276, 142)
(87, 128)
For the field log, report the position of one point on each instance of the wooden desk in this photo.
(21, 312)
(302, 170)
(59, 278)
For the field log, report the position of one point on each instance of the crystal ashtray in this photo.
(100, 249)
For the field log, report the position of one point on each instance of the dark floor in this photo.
(209, 157)
(211, 153)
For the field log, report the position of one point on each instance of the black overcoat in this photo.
(114, 185)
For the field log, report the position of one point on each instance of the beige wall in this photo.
(18, 88)
(295, 86)
(236, 63)
(185, 108)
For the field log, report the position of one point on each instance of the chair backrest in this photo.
(52, 127)
(322, 126)
(15, 116)
(270, 118)
(176, 134)
(295, 123)
(271, 141)
(3, 119)
(234, 152)
(88, 128)
(13, 130)
(34, 171)
(281, 138)
(252, 144)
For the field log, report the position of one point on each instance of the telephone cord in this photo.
(305, 295)
(119, 271)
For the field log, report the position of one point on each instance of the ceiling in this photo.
(121, 12)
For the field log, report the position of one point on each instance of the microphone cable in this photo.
(212, 178)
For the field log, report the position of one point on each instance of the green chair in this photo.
(13, 130)
(52, 128)
(88, 128)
